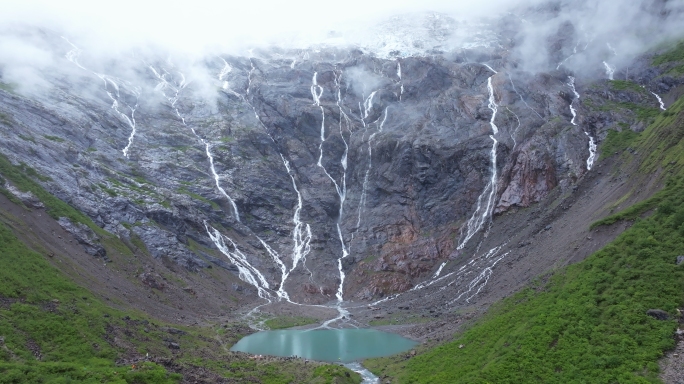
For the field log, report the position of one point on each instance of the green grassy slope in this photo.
(588, 323)
(53, 331)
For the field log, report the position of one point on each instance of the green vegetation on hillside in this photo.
(588, 323)
(673, 55)
(51, 330)
(186, 191)
(617, 141)
(54, 138)
(641, 112)
(22, 176)
(623, 85)
(289, 322)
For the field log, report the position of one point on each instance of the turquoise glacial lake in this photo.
(341, 345)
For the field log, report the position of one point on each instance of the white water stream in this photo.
(367, 107)
(574, 52)
(521, 98)
(401, 82)
(660, 101)
(592, 142)
(301, 234)
(486, 200)
(610, 71)
(362, 200)
(73, 55)
(341, 188)
(248, 273)
(174, 88)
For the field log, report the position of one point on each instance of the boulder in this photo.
(658, 314)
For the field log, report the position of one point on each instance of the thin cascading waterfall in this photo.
(282, 294)
(216, 177)
(344, 118)
(478, 283)
(660, 101)
(481, 266)
(401, 81)
(592, 142)
(439, 270)
(115, 105)
(301, 234)
(341, 189)
(574, 52)
(367, 107)
(131, 123)
(249, 75)
(515, 131)
(316, 90)
(361, 115)
(571, 83)
(316, 93)
(73, 55)
(227, 246)
(163, 86)
(592, 151)
(434, 280)
(225, 70)
(364, 188)
(521, 98)
(610, 71)
(486, 200)
(247, 272)
(368, 104)
(347, 121)
(345, 253)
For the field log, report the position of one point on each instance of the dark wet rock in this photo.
(658, 314)
(174, 331)
(85, 236)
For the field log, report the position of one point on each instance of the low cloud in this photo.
(577, 34)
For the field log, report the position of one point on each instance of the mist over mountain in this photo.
(538, 35)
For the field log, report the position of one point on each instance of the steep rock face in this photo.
(299, 170)
(531, 175)
(388, 168)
